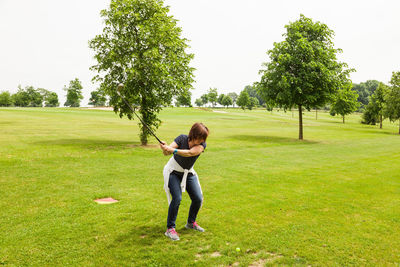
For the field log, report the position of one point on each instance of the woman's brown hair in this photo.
(198, 132)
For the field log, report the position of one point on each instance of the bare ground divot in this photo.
(260, 262)
(216, 254)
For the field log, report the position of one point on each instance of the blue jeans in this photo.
(193, 189)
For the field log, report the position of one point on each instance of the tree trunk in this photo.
(300, 123)
(380, 121)
(145, 133)
(343, 118)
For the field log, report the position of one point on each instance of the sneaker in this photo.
(194, 226)
(171, 233)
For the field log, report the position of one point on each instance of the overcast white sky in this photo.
(44, 43)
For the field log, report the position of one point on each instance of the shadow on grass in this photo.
(142, 235)
(272, 139)
(95, 144)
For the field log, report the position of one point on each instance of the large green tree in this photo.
(141, 46)
(303, 71)
(344, 102)
(392, 99)
(74, 93)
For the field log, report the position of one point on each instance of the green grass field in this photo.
(332, 199)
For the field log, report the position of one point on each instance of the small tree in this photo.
(20, 98)
(204, 99)
(97, 98)
(198, 102)
(253, 102)
(303, 71)
(74, 93)
(227, 101)
(141, 46)
(5, 99)
(253, 92)
(212, 96)
(370, 114)
(376, 105)
(184, 100)
(364, 91)
(243, 99)
(35, 97)
(51, 100)
(220, 98)
(234, 97)
(392, 99)
(345, 102)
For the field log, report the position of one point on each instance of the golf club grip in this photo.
(126, 102)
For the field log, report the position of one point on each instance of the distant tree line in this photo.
(40, 97)
(29, 97)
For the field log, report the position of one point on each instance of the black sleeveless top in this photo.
(183, 143)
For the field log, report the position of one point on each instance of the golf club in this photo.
(119, 87)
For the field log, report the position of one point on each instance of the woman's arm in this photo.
(194, 151)
(164, 147)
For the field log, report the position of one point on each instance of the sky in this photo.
(44, 43)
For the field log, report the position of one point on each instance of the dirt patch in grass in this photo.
(216, 254)
(260, 262)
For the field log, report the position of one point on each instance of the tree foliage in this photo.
(220, 98)
(141, 46)
(303, 71)
(226, 101)
(364, 91)
(28, 97)
(51, 100)
(345, 102)
(253, 102)
(243, 99)
(392, 99)
(74, 93)
(5, 99)
(97, 98)
(234, 96)
(204, 99)
(198, 102)
(252, 91)
(374, 110)
(184, 99)
(212, 96)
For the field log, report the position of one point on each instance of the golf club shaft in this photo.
(148, 128)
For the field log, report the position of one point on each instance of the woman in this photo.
(179, 176)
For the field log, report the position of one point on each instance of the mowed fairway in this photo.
(332, 199)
